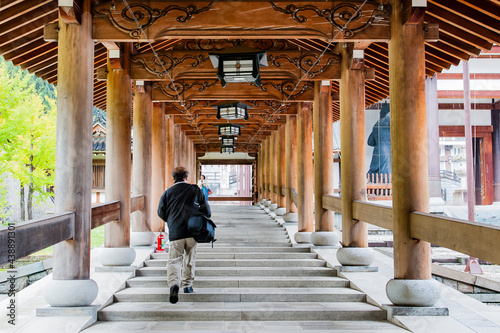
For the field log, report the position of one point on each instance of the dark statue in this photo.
(380, 139)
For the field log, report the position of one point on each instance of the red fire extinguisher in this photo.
(160, 243)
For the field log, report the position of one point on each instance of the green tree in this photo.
(27, 136)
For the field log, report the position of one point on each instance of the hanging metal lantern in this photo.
(227, 140)
(229, 129)
(238, 64)
(231, 110)
(227, 149)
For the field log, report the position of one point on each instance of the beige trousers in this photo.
(181, 258)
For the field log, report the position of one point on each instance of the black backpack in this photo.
(201, 227)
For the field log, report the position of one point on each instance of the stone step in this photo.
(245, 238)
(261, 311)
(245, 282)
(245, 326)
(245, 263)
(272, 255)
(251, 233)
(231, 249)
(244, 295)
(245, 244)
(245, 271)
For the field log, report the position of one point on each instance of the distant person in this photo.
(203, 185)
(176, 207)
(380, 139)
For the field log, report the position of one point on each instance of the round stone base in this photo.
(302, 237)
(272, 207)
(291, 217)
(116, 256)
(142, 238)
(355, 256)
(325, 238)
(280, 211)
(261, 201)
(413, 292)
(70, 293)
(267, 203)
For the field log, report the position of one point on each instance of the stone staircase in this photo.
(253, 280)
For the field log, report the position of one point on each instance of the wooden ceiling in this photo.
(465, 29)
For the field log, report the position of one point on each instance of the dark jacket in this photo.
(177, 205)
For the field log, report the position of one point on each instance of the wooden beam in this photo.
(19, 237)
(105, 213)
(332, 203)
(378, 215)
(136, 203)
(223, 20)
(473, 238)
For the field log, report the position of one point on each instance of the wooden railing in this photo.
(379, 186)
(476, 239)
(35, 235)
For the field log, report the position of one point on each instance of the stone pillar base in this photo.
(355, 256)
(291, 217)
(280, 211)
(261, 201)
(302, 237)
(116, 256)
(70, 293)
(325, 238)
(142, 238)
(272, 206)
(413, 292)
(267, 203)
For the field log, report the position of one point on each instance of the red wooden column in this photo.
(71, 284)
(280, 170)
(159, 155)
(355, 251)
(495, 121)
(305, 178)
(412, 283)
(290, 167)
(142, 234)
(273, 163)
(268, 170)
(323, 164)
(117, 251)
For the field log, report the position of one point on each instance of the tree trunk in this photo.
(23, 215)
(30, 189)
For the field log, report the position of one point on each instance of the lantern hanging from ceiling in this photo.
(227, 140)
(238, 64)
(231, 110)
(227, 149)
(229, 129)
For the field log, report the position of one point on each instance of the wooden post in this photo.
(323, 154)
(169, 181)
(159, 152)
(410, 184)
(142, 169)
(118, 150)
(272, 169)
(495, 121)
(259, 173)
(281, 172)
(353, 147)
(73, 183)
(291, 162)
(304, 168)
(268, 168)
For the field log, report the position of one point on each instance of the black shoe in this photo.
(174, 294)
(188, 290)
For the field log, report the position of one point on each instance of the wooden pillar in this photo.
(304, 168)
(73, 183)
(259, 173)
(118, 150)
(177, 146)
(323, 154)
(433, 137)
(268, 168)
(495, 121)
(353, 147)
(281, 172)
(159, 154)
(170, 162)
(291, 162)
(142, 167)
(408, 143)
(272, 167)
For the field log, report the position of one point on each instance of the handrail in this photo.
(25, 238)
(35, 235)
(105, 213)
(452, 233)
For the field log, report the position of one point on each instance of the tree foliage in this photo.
(27, 133)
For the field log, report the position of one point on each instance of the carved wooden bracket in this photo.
(70, 11)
